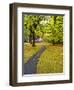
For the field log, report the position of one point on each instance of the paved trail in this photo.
(30, 66)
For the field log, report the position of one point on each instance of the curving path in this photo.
(30, 66)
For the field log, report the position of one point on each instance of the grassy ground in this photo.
(51, 61)
(29, 51)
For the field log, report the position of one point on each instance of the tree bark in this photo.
(30, 38)
(33, 44)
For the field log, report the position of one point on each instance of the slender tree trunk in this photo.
(53, 42)
(30, 38)
(33, 44)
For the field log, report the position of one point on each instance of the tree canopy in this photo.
(49, 28)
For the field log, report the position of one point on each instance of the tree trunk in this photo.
(30, 38)
(33, 44)
(53, 42)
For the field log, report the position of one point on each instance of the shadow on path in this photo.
(30, 66)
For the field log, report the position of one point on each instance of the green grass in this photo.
(29, 51)
(51, 60)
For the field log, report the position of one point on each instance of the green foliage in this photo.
(26, 35)
(49, 28)
(32, 23)
(56, 29)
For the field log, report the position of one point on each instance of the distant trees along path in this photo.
(49, 28)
